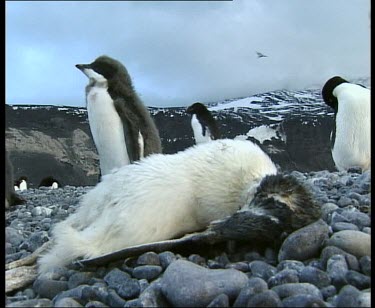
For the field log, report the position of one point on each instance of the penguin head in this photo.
(22, 178)
(103, 69)
(288, 200)
(197, 108)
(327, 92)
(48, 181)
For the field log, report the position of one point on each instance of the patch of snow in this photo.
(262, 133)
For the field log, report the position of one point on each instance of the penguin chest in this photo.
(201, 133)
(107, 130)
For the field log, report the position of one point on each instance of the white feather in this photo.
(198, 131)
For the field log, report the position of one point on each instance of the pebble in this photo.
(356, 243)
(166, 258)
(305, 242)
(148, 258)
(315, 276)
(337, 269)
(284, 276)
(254, 285)
(290, 289)
(122, 283)
(365, 263)
(262, 269)
(303, 300)
(148, 272)
(47, 288)
(267, 298)
(350, 296)
(358, 280)
(221, 300)
(187, 284)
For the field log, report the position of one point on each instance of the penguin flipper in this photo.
(130, 127)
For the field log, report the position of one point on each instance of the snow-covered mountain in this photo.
(293, 127)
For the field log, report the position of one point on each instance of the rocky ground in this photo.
(326, 264)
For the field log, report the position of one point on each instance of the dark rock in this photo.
(254, 285)
(262, 269)
(336, 270)
(96, 292)
(122, 283)
(304, 243)
(315, 276)
(291, 289)
(267, 298)
(95, 304)
(114, 300)
(221, 300)
(328, 291)
(47, 288)
(197, 259)
(166, 258)
(365, 263)
(329, 251)
(344, 201)
(75, 293)
(152, 296)
(284, 276)
(148, 272)
(133, 303)
(214, 264)
(303, 300)
(240, 266)
(350, 296)
(327, 210)
(13, 236)
(79, 278)
(143, 284)
(290, 264)
(148, 258)
(67, 302)
(357, 218)
(358, 280)
(187, 284)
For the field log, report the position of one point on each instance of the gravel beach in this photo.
(325, 264)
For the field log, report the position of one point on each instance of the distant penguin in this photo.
(166, 196)
(203, 123)
(21, 183)
(121, 125)
(351, 135)
(50, 182)
(11, 198)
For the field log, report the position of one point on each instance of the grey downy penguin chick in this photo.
(11, 197)
(351, 134)
(203, 123)
(121, 125)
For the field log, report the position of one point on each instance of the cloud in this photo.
(181, 52)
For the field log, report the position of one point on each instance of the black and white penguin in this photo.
(21, 183)
(11, 197)
(166, 196)
(121, 125)
(351, 135)
(203, 123)
(49, 181)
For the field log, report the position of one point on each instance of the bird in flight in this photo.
(260, 55)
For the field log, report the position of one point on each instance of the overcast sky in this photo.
(180, 52)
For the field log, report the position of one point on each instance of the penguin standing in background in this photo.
(11, 198)
(204, 125)
(122, 128)
(351, 135)
(21, 183)
(50, 182)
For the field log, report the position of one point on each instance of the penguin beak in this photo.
(82, 66)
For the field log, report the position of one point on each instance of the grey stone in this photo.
(73, 293)
(303, 300)
(358, 280)
(148, 258)
(337, 269)
(329, 251)
(291, 264)
(291, 289)
(365, 263)
(114, 300)
(327, 210)
(315, 276)
(67, 302)
(344, 201)
(356, 243)
(262, 269)
(122, 283)
(340, 226)
(221, 300)
(284, 276)
(267, 298)
(254, 285)
(355, 217)
(328, 291)
(350, 296)
(304, 243)
(13, 236)
(47, 288)
(40, 302)
(187, 284)
(95, 304)
(79, 278)
(240, 266)
(166, 258)
(148, 272)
